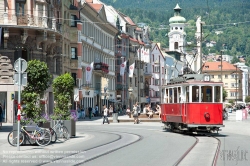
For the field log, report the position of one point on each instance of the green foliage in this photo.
(231, 101)
(38, 82)
(218, 16)
(225, 94)
(234, 60)
(63, 92)
(38, 77)
(247, 99)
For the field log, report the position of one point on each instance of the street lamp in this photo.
(236, 79)
(106, 94)
(130, 90)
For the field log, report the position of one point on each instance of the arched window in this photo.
(176, 46)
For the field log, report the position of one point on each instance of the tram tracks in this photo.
(204, 151)
(124, 139)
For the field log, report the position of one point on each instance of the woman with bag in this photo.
(135, 114)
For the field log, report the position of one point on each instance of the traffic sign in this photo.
(23, 80)
(23, 65)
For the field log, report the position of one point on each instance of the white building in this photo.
(177, 34)
(245, 79)
(157, 64)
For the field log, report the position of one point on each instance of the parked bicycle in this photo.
(41, 136)
(59, 132)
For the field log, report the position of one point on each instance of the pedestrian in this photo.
(110, 110)
(1, 116)
(90, 112)
(83, 112)
(135, 114)
(105, 114)
(79, 113)
(158, 108)
(128, 111)
(96, 110)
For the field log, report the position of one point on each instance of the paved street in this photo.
(128, 144)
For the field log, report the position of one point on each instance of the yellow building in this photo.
(229, 74)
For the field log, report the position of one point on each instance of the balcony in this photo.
(101, 67)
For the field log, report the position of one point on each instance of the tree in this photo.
(247, 99)
(38, 82)
(224, 94)
(63, 89)
(235, 60)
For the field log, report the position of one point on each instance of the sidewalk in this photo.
(5, 146)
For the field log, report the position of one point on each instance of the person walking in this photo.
(1, 116)
(135, 114)
(90, 112)
(83, 112)
(79, 113)
(105, 114)
(158, 110)
(96, 110)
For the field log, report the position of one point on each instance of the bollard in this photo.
(244, 114)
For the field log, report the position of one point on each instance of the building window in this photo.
(212, 76)
(141, 92)
(119, 78)
(135, 81)
(74, 77)
(73, 21)
(176, 46)
(226, 76)
(157, 94)
(157, 69)
(219, 76)
(157, 82)
(141, 78)
(20, 8)
(73, 53)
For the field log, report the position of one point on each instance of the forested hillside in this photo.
(230, 16)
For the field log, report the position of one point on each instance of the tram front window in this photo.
(217, 92)
(195, 94)
(206, 93)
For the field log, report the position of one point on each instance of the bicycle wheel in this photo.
(53, 135)
(43, 137)
(62, 133)
(12, 138)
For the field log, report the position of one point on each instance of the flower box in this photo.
(69, 124)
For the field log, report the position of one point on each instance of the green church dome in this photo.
(177, 18)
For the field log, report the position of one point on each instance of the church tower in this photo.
(177, 35)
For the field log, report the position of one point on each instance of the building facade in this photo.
(30, 30)
(96, 51)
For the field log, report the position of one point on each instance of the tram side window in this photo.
(175, 95)
(195, 94)
(187, 94)
(167, 96)
(179, 94)
(206, 93)
(170, 95)
(217, 94)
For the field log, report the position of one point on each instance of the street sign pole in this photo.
(20, 66)
(19, 105)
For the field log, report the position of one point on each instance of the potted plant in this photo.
(37, 83)
(63, 89)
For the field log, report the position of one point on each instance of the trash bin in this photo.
(115, 117)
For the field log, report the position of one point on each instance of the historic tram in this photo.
(193, 103)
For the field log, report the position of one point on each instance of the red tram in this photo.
(193, 103)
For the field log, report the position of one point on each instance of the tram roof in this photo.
(189, 79)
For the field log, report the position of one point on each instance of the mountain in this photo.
(232, 17)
